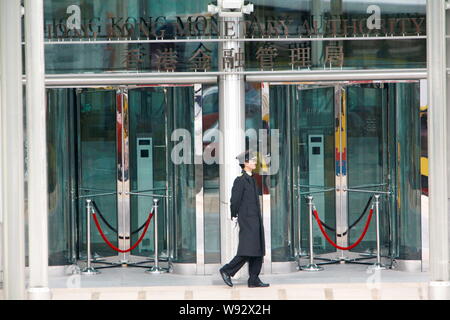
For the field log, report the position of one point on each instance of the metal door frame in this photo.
(340, 115)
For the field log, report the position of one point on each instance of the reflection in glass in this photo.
(313, 141)
(97, 164)
(384, 134)
(61, 180)
(181, 117)
(305, 118)
(338, 18)
(135, 19)
(85, 121)
(210, 108)
(148, 176)
(407, 101)
(280, 183)
(367, 132)
(130, 19)
(380, 143)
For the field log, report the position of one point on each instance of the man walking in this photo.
(245, 207)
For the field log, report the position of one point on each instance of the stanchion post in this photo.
(156, 268)
(89, 270)
(378, 265)
(311, 266)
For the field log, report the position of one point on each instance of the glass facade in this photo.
(281, 35)
(113, 21)
(336, 20)
(116, 144)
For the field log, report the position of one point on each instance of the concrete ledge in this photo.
(336, 291)
(387, 291)
(439, 290)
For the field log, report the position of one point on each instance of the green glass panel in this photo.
(305, 118)
(367, 159)
(337, 18)
(61, 179)
(211, 209)
(280, 183)
(409, 179)
(313, 140)
(97, 164)
(136, 19)
(357, 54)
(94, 58)
(114, 19)
(182, 185)
(148, 175)
(384, 145)
(130, 19)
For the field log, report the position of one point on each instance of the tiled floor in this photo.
(335, 282)
(132, 277)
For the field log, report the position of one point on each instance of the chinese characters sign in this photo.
(273, 38)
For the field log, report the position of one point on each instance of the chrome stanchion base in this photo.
(342, 257)
(156, 270)
(89, 271)
(311, 267)
(377, 266)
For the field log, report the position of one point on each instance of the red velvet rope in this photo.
(150, 216)
(334, 244)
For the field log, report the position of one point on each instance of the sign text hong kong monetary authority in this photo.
(373, 23)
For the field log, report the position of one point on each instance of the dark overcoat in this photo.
(245, 206)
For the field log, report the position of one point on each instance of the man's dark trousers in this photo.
(254, 266)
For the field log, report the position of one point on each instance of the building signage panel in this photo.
(186, 38)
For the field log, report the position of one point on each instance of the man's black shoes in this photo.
(226, 277)
(257, 284)
(251, 284)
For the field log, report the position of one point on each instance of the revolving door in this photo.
(114, 146)
(346, 142)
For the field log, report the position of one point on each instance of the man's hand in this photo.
(235, 221)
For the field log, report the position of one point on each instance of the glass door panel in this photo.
(97, 168)
(148, 172)
(182, 172)
(62, 184)
(367, 157)
(282, 216)
(410, 110)
(313, 142)
(211, 182)
(161, 132)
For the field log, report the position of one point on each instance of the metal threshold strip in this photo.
(105, 79)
